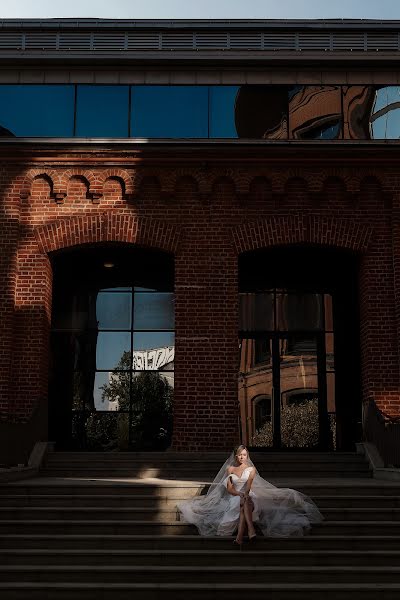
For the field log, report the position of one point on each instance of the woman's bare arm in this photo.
(230, 487)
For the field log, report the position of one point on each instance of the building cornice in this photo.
(89, 41)
(203, 154)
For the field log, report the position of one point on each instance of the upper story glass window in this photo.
(37, 110)
(169, 111)
(269, 112)
(102, 111)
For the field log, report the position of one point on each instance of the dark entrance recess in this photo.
(299, 374)
(112, 348)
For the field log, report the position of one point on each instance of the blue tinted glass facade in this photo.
(102, 111)
(270, 112)
(169, 111)
(37, 110)
(222, 111)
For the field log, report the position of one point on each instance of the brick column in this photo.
(206, 406)
(9, 233)
(380, 319)
(395, 220)
(31, 332)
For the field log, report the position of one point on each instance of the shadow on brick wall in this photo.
(17, 439)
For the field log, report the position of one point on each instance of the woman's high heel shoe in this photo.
(236, 543)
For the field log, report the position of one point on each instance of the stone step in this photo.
(168, 514)
(78, 487)
(289, 470)
(95, 541)
(138, 501)
(203, 478)
(164, 489)
(217, 458)
(231, 591)
(200, 465)
(114, 526)
(188, 557)
(197, 574)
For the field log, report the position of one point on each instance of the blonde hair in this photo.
(239, 449)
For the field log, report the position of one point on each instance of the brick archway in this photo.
(106, 227)
(297, 229)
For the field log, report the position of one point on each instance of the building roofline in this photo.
(79, 23)
(165, 41)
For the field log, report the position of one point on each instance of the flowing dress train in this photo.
(278, 512)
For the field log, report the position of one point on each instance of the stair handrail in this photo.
(383, 431)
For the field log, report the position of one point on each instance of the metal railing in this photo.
(383, 431)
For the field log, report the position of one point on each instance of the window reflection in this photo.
(270, 112)
(357, 105)
(154, 311)
(315, 112)
(299, 311)
(153, 351)
(113, 310)
(256, 312)
(385, 117)
(113, 350)
(261, 112)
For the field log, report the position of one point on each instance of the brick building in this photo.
(222, 192)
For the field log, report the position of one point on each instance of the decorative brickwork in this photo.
(205, 215)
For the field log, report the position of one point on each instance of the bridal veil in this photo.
(283, 512)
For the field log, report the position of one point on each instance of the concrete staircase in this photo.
(102, 526)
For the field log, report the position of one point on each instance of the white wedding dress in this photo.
(278, 512)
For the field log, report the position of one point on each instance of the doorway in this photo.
(299, 372)
(112, 349)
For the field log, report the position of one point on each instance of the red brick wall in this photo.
(206, 217)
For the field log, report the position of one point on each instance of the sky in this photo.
(202, 9)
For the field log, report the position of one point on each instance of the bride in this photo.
(239, 497)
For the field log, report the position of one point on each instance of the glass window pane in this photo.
(385, 114)
(261, 112)
(379, 128)
(113, 310)
(256, 312)
(37, 110)
(153, 351)
(393, 122)
(103, 432)
(358, 101)
(102, 110)
(330, 353)
(222, 111)
(330, 389)
(152, 399)
(153, 311)
(113, 351)
(167, 376)
(111, 390)
(262, 351)
(299, 311)
(381, 99)
(315, 112)
(328, 312)
(169, 111)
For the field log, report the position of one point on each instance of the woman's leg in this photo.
(241, 526)
(248, 515)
